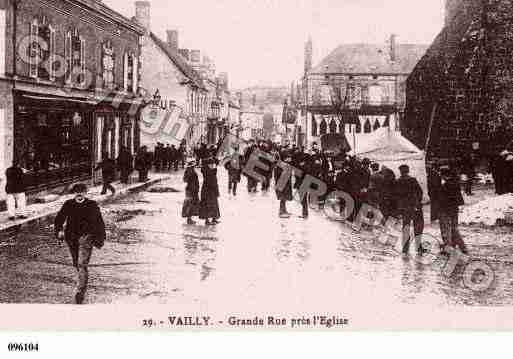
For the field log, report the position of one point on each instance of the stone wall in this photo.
(465, 80)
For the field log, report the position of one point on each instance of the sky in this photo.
(261, 42)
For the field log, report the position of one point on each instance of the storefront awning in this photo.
(48, 98)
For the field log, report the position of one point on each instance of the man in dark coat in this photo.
(143, 163)
(449, 198)
(84, 230)
(252, 182)
(283, 190)
(191, 204)
(15, 189)
(209, 205)
(303, 162)
(388, 199)
(409, 201)
(125, 164)
(234, 167)
(108, 168)
(375, 193)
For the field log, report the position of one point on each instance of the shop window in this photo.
(75, 58)
(108, 58)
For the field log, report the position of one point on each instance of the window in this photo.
(46, 69)
(129, 72)
(75, 58)
(375, 94)
(33, 50)
(108, 65)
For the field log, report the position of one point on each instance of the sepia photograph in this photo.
(242, 165)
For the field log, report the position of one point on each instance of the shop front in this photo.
(60, 140)
(52, 138)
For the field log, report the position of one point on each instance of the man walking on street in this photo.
(143, 163)
(15, 189)
(108, 168)
(448, 198)
(84, 230)
(125, 164)
(409, 199)
(234, 168)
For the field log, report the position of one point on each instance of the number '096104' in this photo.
(23, 347)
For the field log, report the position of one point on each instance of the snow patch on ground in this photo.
(490, 211)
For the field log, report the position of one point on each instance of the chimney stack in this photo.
(393, 47)
(172, 38)
(143, 14)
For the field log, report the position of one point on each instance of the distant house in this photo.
(357, 88)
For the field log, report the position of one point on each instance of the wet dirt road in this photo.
(252, 261)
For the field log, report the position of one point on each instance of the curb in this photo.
(7, 227)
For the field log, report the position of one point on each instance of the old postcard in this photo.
(253, 165)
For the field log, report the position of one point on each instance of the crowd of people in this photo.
(365, 182)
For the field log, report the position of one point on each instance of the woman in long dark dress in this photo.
(209, 205)
(191, 204)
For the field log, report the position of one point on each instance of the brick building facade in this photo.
(69, 86)
(460, 95)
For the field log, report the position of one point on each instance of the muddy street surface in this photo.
(252, 261)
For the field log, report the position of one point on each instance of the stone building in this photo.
(69, 83)
(460, 94)
(175, 90)
(356, 88)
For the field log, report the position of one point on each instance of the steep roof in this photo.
(371, 58)
(98, 6)
(178, 60)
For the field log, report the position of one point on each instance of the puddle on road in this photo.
(162, 189)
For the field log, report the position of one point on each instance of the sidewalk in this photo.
(40, 211)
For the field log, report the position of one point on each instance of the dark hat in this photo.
(79, 188)
(404, 168)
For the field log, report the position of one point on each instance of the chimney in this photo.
(393, 47)
(143, 14)
(172, 38)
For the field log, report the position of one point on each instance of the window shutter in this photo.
(82, 61)
(135, 79)
(51, 59)
(125, 72)
(68, 56)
